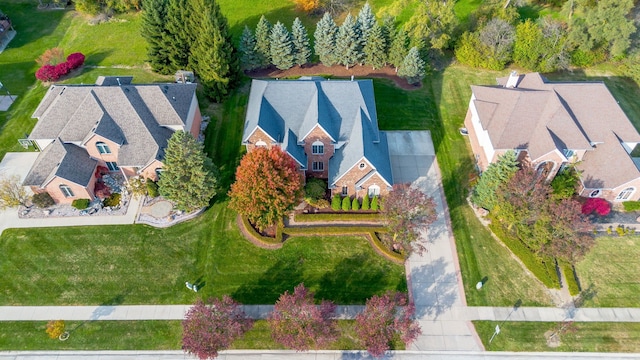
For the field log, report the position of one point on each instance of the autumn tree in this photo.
(348, 48)
(384, 318)
(413, 67)
(407, 210)
(496, 174)
(263, 41)
(267, 186)
(301, 46)
(297, 323)
(325, 40)
(249, 59)
(282, 51)
(212, 327)
(308, 6)
(189, 177)
(12, 193)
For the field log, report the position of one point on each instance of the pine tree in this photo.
(374, 50)
(325, 40)
(413, 67)
(189, 177)
(388, 30)
(180, 35)
(301, 47)
(366, 21)
(497, 174)
(398, 50)
(248, 57)
(365, 202)
(348, 42)
(281, 47)
(263, 36)
(214, 58)
(154, 31)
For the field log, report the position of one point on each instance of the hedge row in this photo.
(631, 205)
(337, 217)
(267, 241)
(542, 267)
(383, 250)
(54, 72)
(570, 275)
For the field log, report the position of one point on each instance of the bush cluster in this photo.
(113, 200)
(42, 200)
(80, 204)
(50, 72)
(152, 189)
(631, 206)
(345, 204)
(599, 205)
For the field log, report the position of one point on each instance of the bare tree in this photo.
(12, 193)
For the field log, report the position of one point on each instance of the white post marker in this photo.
(479, 285)
(188, 285)
(495, 333)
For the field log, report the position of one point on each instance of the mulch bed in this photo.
(387, 72)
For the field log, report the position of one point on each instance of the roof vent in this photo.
(512, 81)
(174, 98)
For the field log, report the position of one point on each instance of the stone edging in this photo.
(140, 220)
(247, 235)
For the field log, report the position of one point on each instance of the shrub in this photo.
(75, 60)
(355, 204)
(43, 200)
(599, 205)
(80, 204)
(152, 188)
(346, 203)
(374, 203)
(137, 187)
(322, 204)
(314, 189)
(113, 200)
(51, 56)
(631, 205)
(101, 190)
(46, 73)
(365, 202)
(570, 276)
(55, 328)
(336, 203)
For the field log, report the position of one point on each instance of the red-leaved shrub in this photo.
(55, 72)
(599, 205)
(101, 190)
(75, 60)
(46, 73)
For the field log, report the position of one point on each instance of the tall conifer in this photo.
(366, 20)
(263, 41)
(374, 50)
(281, 47)
(325, 40)
(154, 31)
(348, 45)
(398, 50)
(301, 47)
(249, 59)
(413, 67)
(180, 23)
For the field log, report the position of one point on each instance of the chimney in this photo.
(512, 81)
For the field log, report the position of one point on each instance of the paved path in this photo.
(311, 355)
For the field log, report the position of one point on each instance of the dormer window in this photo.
(317, 148)
(568, 153)
(261, 144)
(103, 148)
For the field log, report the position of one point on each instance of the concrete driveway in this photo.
(434, 280)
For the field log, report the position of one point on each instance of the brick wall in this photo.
(258, 135)
(354, 175)
(79, 192)
(317, 134)
(90, 145)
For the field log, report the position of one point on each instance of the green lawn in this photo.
(611, 270)
(143, 335)
(580, 337)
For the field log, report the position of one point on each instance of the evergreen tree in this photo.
(214, 58)
(413, 67)
(263, 42)
(249, 59)
(497, 174)
(281, 47)
(366, 202)
(348, 42)
(366, 21)
(325, 40)
(398, 50)
(189, 176)
(154, 31)
(374, 50)
(180, 36)
(301, 47)
(388, 30)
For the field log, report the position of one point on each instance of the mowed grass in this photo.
(579, 337)
(138, 264)
(144, 335)
(611, 270)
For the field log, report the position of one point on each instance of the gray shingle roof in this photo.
(344, 109)
(67, 161)
(136, 116)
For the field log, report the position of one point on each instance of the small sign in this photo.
(497, 329)
(479, 285)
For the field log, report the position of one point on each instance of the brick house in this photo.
(553, 124)
(120, 126)
(330, 128)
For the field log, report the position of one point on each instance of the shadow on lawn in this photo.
(283, 275)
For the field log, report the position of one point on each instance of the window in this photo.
(362, 166)
(568, 153)
(595, 193)
(66, 191)
(345, 191)
(103, 148)
(112, 166)
(261, 144)
(317, 166)
(625, 194)
(317, 148)
(374, 190)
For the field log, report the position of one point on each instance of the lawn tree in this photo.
(12, 193)
(301, 46)
(399, 48)
(153, 29)
(348, 48)
(496, 174)
(375, 48)
(282, 52)
(213, 56)
(183, 27)
(263, 41)
(432, 23)
(267, 186)
(212, 327)
(413, 67)
(297, 323)
(249, 59)
(384, 318)
(407, 211)
(189, 176)
(325, 40)
(366, 20)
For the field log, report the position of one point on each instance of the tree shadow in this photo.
(284, 275)
(435, 288)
